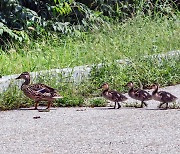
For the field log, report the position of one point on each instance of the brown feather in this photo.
(112, 95)
(37, 92)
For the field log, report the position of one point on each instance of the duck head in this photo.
(155, 86)
(104, 86)
(24, 75)
(130, 84)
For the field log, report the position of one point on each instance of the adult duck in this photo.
(38, 92)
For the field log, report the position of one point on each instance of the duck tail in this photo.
(56, 97)
(175, 98)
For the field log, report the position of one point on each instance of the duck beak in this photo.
(18, 77)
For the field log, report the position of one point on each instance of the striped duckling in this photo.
(162, 96)
(138, 94)
(112, 95)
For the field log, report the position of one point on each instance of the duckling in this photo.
(112, 95)
(162, 96)
(138, 94)
(38, 92)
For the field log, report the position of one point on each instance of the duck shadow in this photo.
(163, 109)
(26, 109)
(155, 109)
(40, 109)
(135, 108)
(105, 108)
(111, 108)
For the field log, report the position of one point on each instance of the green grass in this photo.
(143, 70)
(135, 37)
(97, 102)
(131, 39)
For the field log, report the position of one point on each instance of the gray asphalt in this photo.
(92, 130)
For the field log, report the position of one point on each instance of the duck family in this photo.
(138, 94)
(41, 92)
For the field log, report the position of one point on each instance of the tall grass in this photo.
(137, 36)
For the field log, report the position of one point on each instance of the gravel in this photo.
(92, 130)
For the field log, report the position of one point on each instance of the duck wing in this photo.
(44, 91)
(142, 94)
(145, 95)
(117, 96)
(41, 88)
(166, 96)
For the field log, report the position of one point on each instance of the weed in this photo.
(13, 98)
(134, 105)
(97, 102)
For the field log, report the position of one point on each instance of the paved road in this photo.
(92, 130)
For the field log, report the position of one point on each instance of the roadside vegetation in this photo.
(138, 36)
(71, 33)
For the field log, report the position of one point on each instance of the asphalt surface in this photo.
(92, 130)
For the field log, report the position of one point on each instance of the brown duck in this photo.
(38, 92)
(138, 94)
(162, 96)
(112, 95)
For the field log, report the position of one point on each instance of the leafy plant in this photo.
(70, 101)
(97, 102)
(13, 98)
(65, 16)
(6, 33)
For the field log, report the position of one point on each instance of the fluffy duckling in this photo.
(112, 95)
(38, 92)
(162, 96)
(138, 94)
